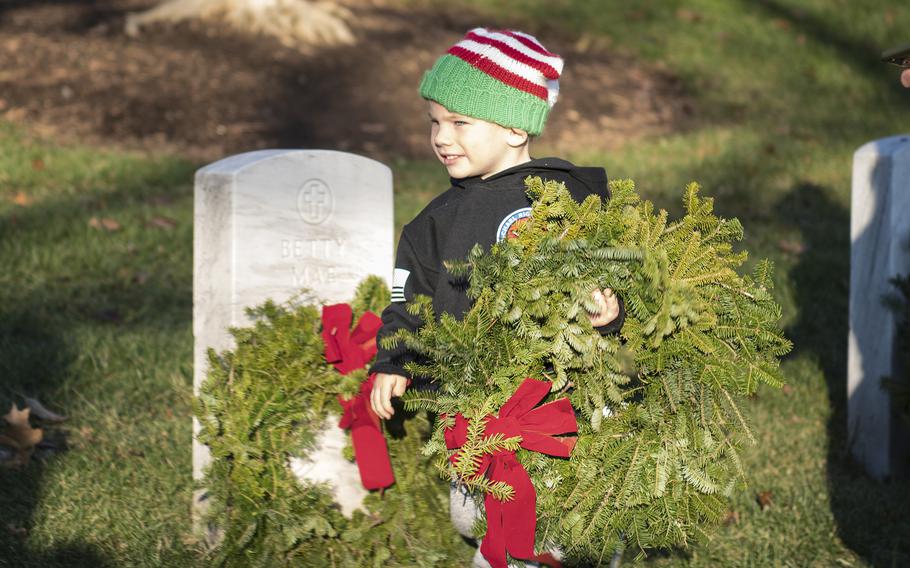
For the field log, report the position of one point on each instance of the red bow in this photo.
(345, 349)
(511, 524)
(348, 351)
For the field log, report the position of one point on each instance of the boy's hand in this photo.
(386, 386)
(608, 306)
(905, 78)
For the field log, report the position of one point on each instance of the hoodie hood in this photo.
(593, 178)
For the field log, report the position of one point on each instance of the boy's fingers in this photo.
(608, 306)
(385, 399)
(613, 307)
(374, 400)
(384, 389)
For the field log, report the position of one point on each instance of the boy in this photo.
(486, 97)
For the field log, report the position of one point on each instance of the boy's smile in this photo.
(470, 147)
(449, 159)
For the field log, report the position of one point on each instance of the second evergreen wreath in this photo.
(585, 443)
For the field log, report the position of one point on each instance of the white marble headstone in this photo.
(879, 234)
(271, 222)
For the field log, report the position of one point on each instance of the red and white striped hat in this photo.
(501, 76)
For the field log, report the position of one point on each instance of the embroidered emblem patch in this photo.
(507, 229)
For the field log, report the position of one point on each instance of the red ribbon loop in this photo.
(345, 349)
(348, 351)
(511, 524)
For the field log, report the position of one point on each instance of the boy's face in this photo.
(468, 146)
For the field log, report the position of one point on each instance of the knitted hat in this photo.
(500, 76)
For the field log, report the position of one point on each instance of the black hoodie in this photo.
(472, 211)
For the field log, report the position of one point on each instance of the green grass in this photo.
(97, 324)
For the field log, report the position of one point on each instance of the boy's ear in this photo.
(516, 137)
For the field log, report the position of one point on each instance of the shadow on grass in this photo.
(39, 357)
(65, 293)
(870, 516)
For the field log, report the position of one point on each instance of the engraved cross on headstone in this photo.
(314, 202)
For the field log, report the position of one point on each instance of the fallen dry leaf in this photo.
(731, 518)
(40, 412)
(787, 389)
(104, 223)
(764, 499)
(17, 418)
(87, 433)
(686, 15)
(19, 436)
(781, 23)
(37, 164)
(22, 199)
(163, 222)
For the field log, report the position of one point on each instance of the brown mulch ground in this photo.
(67, 71)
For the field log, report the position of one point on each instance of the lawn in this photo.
(96, 286)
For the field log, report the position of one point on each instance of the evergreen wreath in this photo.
(659, 420)
(265, 401)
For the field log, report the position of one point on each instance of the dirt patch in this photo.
(67, 71)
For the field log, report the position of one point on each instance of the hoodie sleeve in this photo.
(415, 273)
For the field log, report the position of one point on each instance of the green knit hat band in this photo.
(501, 76)
(462, 88)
